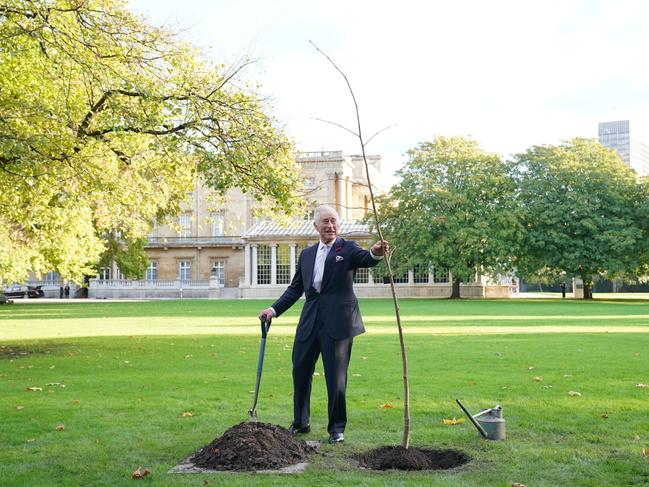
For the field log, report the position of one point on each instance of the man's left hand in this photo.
(380, 248)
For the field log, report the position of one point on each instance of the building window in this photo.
(440, 275)
(309, 183)
(401, 278)
(152, 271)
(105, 273)
(218, 224)
(283, 264)
(119, 274)
(298, 250)
(185, 270)
(185, 225)
(52, 277)
(218, 271)
(309, 215)
(263, 264)
(421, 274)
(362, 276)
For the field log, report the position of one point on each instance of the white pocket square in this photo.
(339, 258)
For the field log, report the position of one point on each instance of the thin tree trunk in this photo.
(404, 359)
(588, 290)
(455, 288)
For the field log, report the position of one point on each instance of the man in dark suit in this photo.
(329, 321)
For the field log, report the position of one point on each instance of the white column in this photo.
(292, 248)
(370, 277)
(411, 276)
(246, 266)
(431, 276)
(254, 265)
(273, 264)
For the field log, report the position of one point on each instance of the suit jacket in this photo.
(336, 303)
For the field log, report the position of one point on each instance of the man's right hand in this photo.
(267, 314)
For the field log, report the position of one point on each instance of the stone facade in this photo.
(218, 248)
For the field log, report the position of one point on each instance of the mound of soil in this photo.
(252, 446)
(400, 458)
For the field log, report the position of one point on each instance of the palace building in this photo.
(218, 248)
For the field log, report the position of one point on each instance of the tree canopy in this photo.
(105, 121)
(580, 208)
(453, 208)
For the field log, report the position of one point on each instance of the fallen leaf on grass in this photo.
(641, 386)
(60, 427)
(453, 421)
(18, 408)
(645, 452)
(387, 405)
(76, 401)
(34, 389)
(138, 474)
(518, 484)
(574, 393)
(547, 387)
(605, 415)
(187, 415)
(356, 375)
(537, 379)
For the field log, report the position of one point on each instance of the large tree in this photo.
(453, 208)
(580, 210)
(105, 121)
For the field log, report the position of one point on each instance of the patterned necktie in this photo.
(318, 268)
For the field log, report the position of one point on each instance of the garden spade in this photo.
(265, 326)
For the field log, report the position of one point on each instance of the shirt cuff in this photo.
(375, 257)
(273, 310)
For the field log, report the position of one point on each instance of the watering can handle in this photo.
(480, 429)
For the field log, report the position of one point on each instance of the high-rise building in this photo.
(617, 135)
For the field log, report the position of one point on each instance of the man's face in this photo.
(328, 226)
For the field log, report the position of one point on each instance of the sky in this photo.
(508, 73)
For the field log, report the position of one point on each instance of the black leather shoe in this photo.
(299, 430)
(336, 438)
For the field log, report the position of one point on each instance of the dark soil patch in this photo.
(400, 458)
(253, 446)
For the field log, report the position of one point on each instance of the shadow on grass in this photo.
(16, 351)
(370, 307)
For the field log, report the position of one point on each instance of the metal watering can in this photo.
(489, 422)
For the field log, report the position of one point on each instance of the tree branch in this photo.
(336, 124)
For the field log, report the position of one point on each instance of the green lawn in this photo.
(131, 370)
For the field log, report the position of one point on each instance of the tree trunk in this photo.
(588, 290)
(404, 357)
(455, 290)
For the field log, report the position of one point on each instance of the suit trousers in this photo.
(335, 359)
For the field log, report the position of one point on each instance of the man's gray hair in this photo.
(322, 209)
